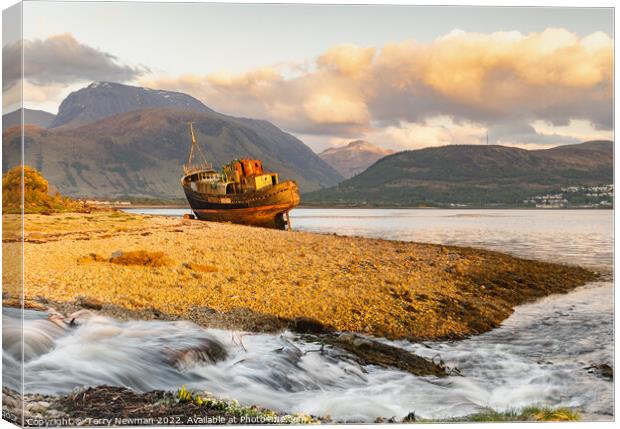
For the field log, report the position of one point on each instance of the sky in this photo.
(401, 77)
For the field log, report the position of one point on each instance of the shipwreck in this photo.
(242, 192)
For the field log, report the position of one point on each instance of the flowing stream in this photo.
(539, 356)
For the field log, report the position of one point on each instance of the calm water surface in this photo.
(583, 237)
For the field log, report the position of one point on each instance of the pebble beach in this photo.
(255, 279)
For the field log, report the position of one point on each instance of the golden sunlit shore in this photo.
(245, 278)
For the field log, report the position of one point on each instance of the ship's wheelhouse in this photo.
(203, 181)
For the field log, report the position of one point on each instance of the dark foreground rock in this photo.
(118, 406)
(370, 352)
(602, 370)
(208, 351)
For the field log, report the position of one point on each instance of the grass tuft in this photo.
(231, 408)
(547, 414)
(528, 414)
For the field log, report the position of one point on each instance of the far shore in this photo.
(386, 207)
(253, 279)
(397, 207)
(150, 206)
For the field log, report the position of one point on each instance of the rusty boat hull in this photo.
(267, 207)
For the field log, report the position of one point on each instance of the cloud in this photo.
(61, 59)
(320, 102)
(553, 75)
(523, 134)
(443, 130)
(478, 81)
(332, 108)
(11, 65)
(39, 94)
(432, 132)
(348, 60)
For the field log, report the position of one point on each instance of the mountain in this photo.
(353, 158)
(100, 100)
(113, 140)
(141, 153)
(471, 175)
(31, 117)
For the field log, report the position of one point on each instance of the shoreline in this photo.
(181, 206)
(150, 206)
(398, 207)
(239, 277)
(77, 262)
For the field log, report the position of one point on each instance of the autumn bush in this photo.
(37, 198)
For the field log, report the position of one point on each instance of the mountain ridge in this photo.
(471, 175)
(354, 157)
(39, 118)
(81, 108)
(139, 153)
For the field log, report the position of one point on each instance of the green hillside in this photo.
(471, 176)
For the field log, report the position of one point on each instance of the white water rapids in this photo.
(537, 357)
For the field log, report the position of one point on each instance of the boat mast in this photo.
(191, 130)
(202, 164)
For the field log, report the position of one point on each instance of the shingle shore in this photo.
(259, 279)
